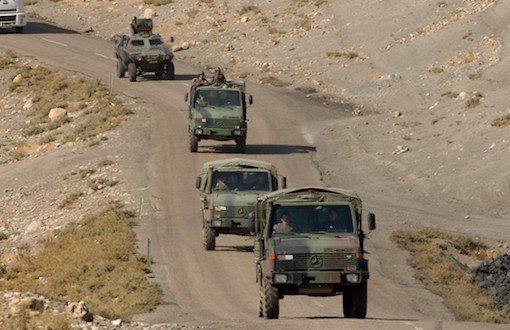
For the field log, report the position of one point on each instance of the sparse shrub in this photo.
(70, 200)
(307, 89)
(47, 139)
(192, 13)
(437, 120)
(157, 2)
(8, 59)
(474, 76)
(348, 55)
(273, 30)
(249, 9)
(501, 121)
(436, 69)
(451, 94)
(274, 82)
(473, 102)
(106, 162)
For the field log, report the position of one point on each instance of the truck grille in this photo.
(318, 261)
(9, 18)
(7, 10)
(222, 123)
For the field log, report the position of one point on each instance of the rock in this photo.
(176, 48)
(185, 45)
(462, 95)
(117, 323)
(244, 19)
(17, 79)
(90, 29)
(149, 13)
(396, 114)
(389, 77)
(28, 104)
(57, 114)
(33, 227)
(80, 311)
(401, 150)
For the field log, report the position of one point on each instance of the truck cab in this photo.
(309, 241)
(228, 190)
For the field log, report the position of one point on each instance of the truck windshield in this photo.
(240, 181)
(309, 219)
(155, 42)
(137, 42)
(218, 98)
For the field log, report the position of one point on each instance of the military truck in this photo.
(217, 111)
(143, 52)
(228, 190)
(12, 15)
(309, 241)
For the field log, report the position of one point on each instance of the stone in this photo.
(57, 114)
(149, 13)
(396, 114)
(80, 311)
(244, 19)
(117, 323)
(17, 79)
(28, 104)
(90, 29)
(185, 45)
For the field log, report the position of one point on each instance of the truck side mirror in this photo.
(250, 99)
(251, 222)
(186, 97)
(282, 182)
(198, 182)
(371, 221)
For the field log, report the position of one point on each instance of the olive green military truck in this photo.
(228, 190)
(309, 241)
(217, 111)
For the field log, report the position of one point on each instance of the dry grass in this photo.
(7, 60)
(94, 260)
(435, 69)
(474, 101)
(450, 94)
(70, 200)
(501, 121)
(350, 55)
(307, 89)
(274, 81)
(249, 9)
(430, 249)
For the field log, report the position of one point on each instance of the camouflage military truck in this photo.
(217, 111)
(143, 52)
(309, 241)
(228, 190)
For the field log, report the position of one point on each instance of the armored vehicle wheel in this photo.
(132, 71)
(269, 300)
(121, 70)
(355, 301)
(158, 73)
(209, 238)
(193, 143)
(241, 144)
(170, 71)
(19, 29)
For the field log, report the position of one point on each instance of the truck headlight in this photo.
(237, 132)
(280, 278)
(199, 131)
(220, 208)
(353, 278)
(216, 223)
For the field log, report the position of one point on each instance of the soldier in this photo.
(200, 79)
(220, 183)
(336, 223)
(283, 226)
(219, 78)
(133, 25)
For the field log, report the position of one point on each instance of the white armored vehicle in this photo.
(12, 15)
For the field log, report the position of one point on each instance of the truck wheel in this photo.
(355, 301)
(158, 73)
(209, 238)
(269, 300)
(132, 71)
(121, 71)
(170, 71)
(241, 144)
(19, 29)
(193, 143)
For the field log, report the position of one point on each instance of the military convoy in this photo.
(142, 52)
(228, 190)
(309, 241)
(217, 111)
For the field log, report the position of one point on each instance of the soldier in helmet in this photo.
(133, 25)
(219, 78)
(200, 79)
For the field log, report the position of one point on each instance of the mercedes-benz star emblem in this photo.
(316, 261)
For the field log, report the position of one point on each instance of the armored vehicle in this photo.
(143, 52)
(228, 190)
(309, 241)
(12, 15)
(217, 111)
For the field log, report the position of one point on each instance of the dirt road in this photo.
(218, 288)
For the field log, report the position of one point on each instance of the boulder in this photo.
(17, 79)
(80, 311)
(57, 114)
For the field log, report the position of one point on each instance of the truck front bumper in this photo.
(11, 20)
(205, 133)
(319, 277)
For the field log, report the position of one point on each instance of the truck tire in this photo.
(269, 303)
(132, 71)
(209, 238)
(241, 144)
(170, 71)
(193, 143)
(19, 29)
(121, 70)
(355, 301)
